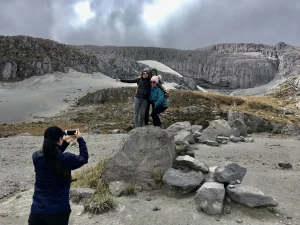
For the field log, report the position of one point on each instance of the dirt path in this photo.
(260, 158)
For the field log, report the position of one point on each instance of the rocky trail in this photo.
(260, 157)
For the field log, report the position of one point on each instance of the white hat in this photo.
(155, 79)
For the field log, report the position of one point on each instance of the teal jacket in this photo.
(157, 96)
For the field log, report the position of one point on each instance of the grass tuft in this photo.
(102, 201)
(158, 176)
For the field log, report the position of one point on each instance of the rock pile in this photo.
(211, 184)
(218, 132)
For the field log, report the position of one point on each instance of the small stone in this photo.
(156, 208)
(228, 200)
(289, 217)
(238, 181)
(277, 214)
(227, 210)
(239, 221)
(231, 185)
(148, 199)
(285, 165)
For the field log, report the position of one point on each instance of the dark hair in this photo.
(50, 150)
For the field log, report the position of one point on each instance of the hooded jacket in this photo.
(157, 96)
(143, 89)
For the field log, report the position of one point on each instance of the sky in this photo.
(183, 24)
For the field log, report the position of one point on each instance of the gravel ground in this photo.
(260, 158)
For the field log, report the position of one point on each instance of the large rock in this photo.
(81, 194)
(182, 182)
(229, 173)
(117, 188)
(144, 150)
(196, 129)
(183, 136)
(175, 128)
(240, 126)
(250, 196)
(216, 128)
(210, 197)
(190, 162)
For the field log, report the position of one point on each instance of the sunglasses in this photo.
(153, 82)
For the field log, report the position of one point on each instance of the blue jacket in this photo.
(157, 97)
(51, 193)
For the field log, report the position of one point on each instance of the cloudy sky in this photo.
(184, 24)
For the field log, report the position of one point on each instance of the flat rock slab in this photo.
(250, 196)
(183, 136)
(81, 194)
(175, 128)
(182, 182)
(229, 173)
(190, 162)
(210, 197)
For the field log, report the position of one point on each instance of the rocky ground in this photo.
(261, 159)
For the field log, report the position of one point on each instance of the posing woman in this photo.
(157, 96)
(141, 96)
(50, 205)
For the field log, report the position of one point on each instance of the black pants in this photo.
(51, 219)
(147, 112)
(154, 115)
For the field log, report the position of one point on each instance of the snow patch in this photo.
(159, 66)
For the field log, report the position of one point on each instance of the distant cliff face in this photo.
(223, 65)
(22, 57)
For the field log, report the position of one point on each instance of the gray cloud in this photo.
(119, 22)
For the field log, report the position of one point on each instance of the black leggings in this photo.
(49, 219)
(155, 117)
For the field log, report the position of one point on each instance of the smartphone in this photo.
(70, 132)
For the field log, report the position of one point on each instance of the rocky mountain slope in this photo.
(218, 66)
(22, 57)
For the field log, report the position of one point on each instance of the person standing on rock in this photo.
(157, 96)
(53, 166)
(141, 96)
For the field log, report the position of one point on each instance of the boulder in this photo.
(183, 136)
(143, 151)
(229, 173)
(212, 143)
(240, 126)
(233, 115)
(290, 129)
(216, 128)
(190, 162)
(196, 129)
(250, 196)
(81, 194)
(234, 139)
(210, 197)
(175, 128)
(117, 188)
(182, 182)
(209, 134)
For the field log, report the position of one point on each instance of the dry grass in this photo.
(158, 176)
(130, 189)
(102, 201)
(119, 114)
